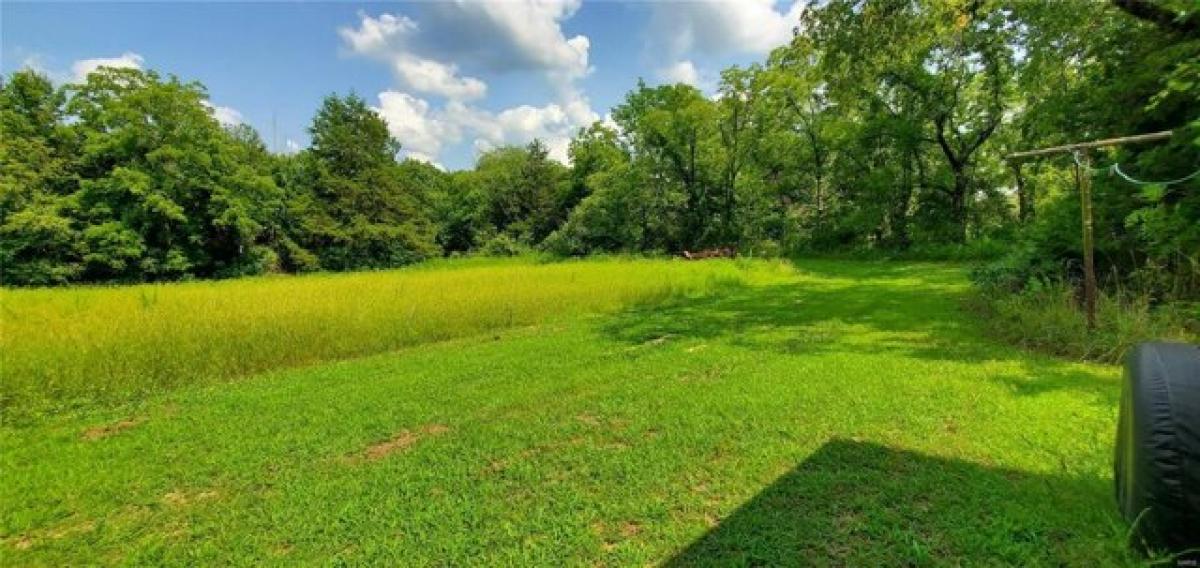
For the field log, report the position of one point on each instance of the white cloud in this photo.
(378, 34)
(558, 148)
(291, 146)
(579, 109)
(611, 123)
(227, 116)
(554, 124)
(36, 62)
(424, 158)
(418, 128)
(681, 72)
(431, 52)
(522, 124)
(387, 38)
(532, 30)
(80, 69)
(517, 35)
(428, 76)
(722, 26)
(424, 131)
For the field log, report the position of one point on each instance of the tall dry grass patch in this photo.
(66, 347)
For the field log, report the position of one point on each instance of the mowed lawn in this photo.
(839, 414)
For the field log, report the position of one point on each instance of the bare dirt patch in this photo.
(615, 445)
(606, 422)
(184, 498)
(659, 340)
(500, 464)
(703, 375)
(612, 536)
(589, 419)
(105, 430)
(33, 538)
(601, 531)
(402, 441)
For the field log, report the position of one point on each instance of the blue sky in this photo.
(451, 78)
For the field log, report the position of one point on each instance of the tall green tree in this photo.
(521, 188)
(594, 149)
(163, 190)
(612, 207)
(39, 239)
(672, 131)
(1130, 70)
(351, 208)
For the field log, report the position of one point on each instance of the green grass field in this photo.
(841, 413)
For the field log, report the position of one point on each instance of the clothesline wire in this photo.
(1115, 168)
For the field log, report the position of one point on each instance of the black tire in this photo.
(1157, 461)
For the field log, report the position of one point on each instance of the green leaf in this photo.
(1153, 193)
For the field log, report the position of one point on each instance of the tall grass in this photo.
(67, 347)
(1048, 318)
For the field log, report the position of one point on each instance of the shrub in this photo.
(1047, 317)
(503, 245)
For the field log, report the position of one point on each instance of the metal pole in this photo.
(1083, 178)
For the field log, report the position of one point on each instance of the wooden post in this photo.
(1083, 182)
(1024, 201)
(1137, 139)
(1083, 179)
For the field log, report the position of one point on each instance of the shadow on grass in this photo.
(909, 310)
(859, 503)
(928, 272)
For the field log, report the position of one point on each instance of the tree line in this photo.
(881, 126)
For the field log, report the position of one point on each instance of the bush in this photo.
(976, 250)
(1047, 317)
(255, 260)
(503, 245)
(563, 243)
(764, 248)
(1010, 273)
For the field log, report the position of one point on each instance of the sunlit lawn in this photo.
(847, 414)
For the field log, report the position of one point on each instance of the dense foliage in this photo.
(882, 126)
